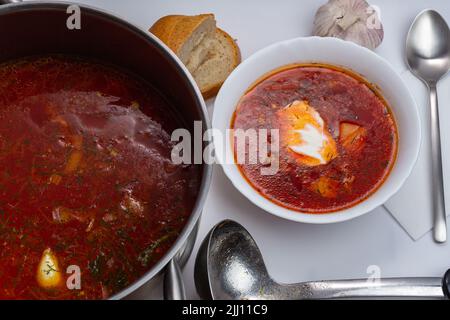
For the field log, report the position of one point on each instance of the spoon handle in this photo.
(363, 288)
(440, 225)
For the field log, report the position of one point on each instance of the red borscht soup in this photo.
(87, 186)
(337, 137)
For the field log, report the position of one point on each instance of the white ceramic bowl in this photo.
(336, 52)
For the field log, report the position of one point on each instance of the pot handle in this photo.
(173, 282)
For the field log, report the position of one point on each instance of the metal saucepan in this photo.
(32, 28)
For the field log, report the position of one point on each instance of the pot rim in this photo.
(207, 168)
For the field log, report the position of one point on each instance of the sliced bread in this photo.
(220, 62)
(209, 53)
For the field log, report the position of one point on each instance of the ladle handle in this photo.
(9, 1)
(390, 287)
(440, 224)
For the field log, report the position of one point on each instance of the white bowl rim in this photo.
(365, 206)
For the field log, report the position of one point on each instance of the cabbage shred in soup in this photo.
(338, 138)
(86, 180)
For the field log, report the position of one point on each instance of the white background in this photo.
(299, 252)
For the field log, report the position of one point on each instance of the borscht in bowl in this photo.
(322, 130)
(337, 137)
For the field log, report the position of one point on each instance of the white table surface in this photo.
(299, 252)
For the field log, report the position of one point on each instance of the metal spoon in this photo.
(428, 57)
(229, 265)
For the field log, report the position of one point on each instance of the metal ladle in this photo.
(229, 265)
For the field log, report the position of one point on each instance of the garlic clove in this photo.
(351, 20)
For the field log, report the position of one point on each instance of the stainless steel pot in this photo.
(31, 28)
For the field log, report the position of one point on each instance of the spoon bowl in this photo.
(229, 264)
(428, 46)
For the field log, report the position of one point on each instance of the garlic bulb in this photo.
(352, 20)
